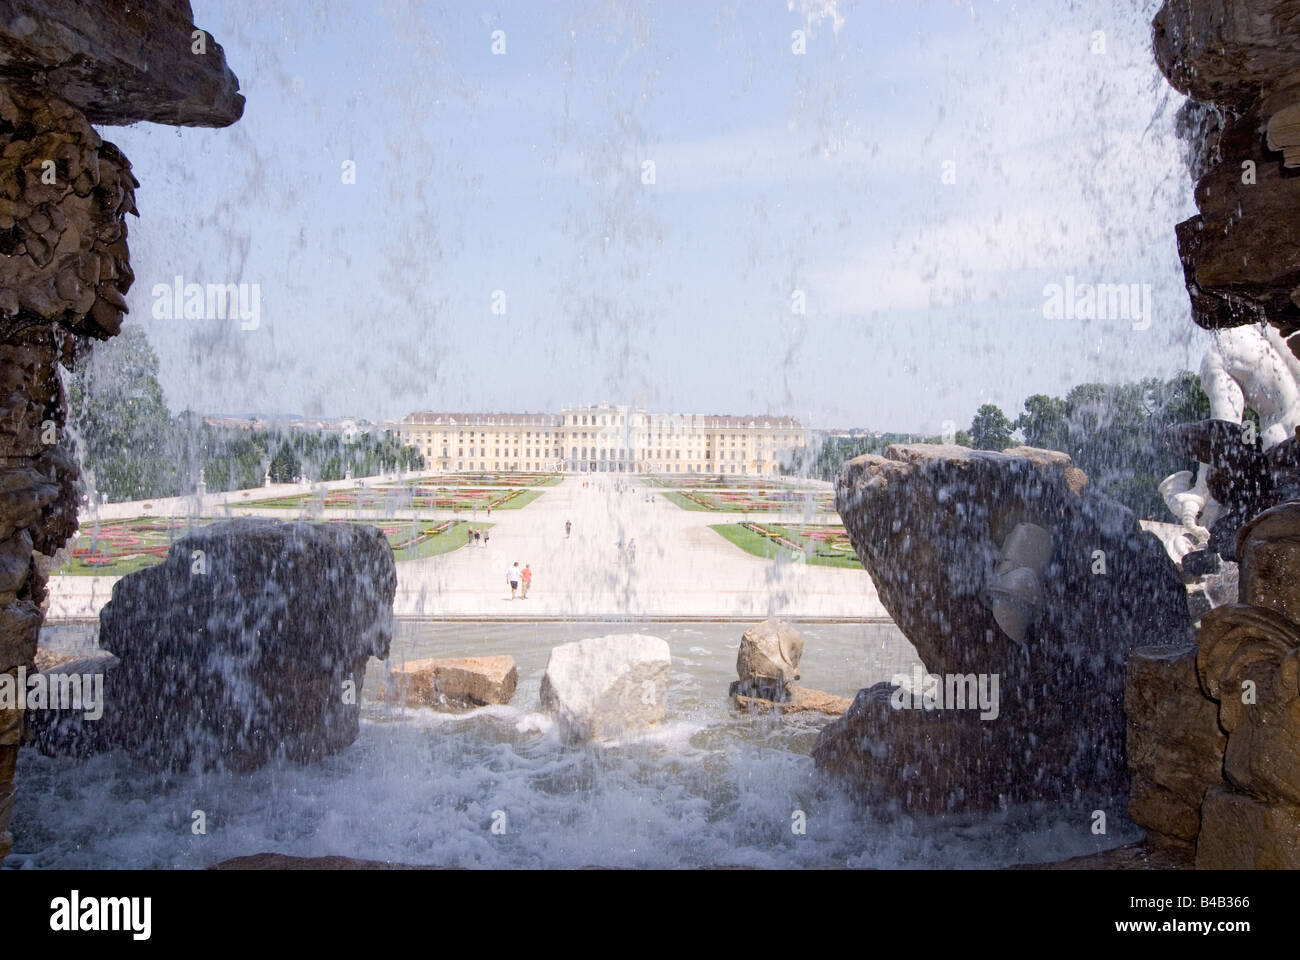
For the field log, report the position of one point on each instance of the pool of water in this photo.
(709, 787)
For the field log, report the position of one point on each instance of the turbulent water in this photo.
(709, 788)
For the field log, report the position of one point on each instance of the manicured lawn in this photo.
(821, 544)
(432, 539)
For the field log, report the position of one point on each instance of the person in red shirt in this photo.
(527, 581)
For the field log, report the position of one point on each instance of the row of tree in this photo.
(131, 448)
(1115, 432)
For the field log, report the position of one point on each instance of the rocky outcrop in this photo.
(248, 642)
(456, 684)
(64, 270)
(1239, 61)
(1006, 567)
(604, 687)
(768, 660)
(120, 63)
(1175, 746)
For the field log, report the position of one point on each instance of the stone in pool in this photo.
(249, 642)
(443, 684)
(603, 687)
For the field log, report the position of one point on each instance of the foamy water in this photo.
(709, 787)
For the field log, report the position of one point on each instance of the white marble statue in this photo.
(1244, 367)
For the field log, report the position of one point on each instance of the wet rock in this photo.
(933, 525)
(794, 699)
(250, 641)
(121, 63)
(1241, 253)
(468, 682)
(1175, 746)
(768, 661)
(1241, 832)
(71, 728)
(604, 687)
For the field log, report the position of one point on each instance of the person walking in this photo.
(512, 578)
(631, 551)
(477, 536)
(568, 528)
(525, 581)
(486, 534)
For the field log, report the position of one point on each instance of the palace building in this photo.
(602, 438)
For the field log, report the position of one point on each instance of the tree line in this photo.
(132, 448)
(1115, 432)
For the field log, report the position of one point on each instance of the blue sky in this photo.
(774, 172)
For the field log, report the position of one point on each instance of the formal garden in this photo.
(120, 547)
(757, 501)
(697, 481)
(444, 496)
(822, 544)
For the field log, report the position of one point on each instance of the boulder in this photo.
(470, 682)
(768, 661)
(796, 700)
(249, 641)
(1241, 832)
(1002, 565)
(71, 730)
(604, 687)
(1175, 746)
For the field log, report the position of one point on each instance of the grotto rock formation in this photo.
(64, 270)
(998, 566)
(249, 642)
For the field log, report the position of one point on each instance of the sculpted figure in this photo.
(1244, 367)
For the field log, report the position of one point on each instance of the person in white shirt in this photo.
(512, 578)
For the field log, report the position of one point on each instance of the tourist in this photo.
(469, 536)
(512, 578)
(486, 534)
(477, 535)
(631, 551)
(525, 581)
(568, 528)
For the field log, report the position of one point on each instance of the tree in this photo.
(285, 467)
(990, 430)
(117, 413)
(1043, 422)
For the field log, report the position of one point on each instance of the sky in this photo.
(915, 179)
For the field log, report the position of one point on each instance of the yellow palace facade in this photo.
(602, 438)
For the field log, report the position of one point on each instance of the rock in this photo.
(249, 641)
(119, 63)
(1175, 746)
(768, 660)
(1226, 50)
(1241, 254)
(283, 861)
(604, 687)
(933, 526)
(470, 682)
(1240, 832)
(74, 730)
(796, 700)
(923, 762)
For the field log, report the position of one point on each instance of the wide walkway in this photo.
(681, 568)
